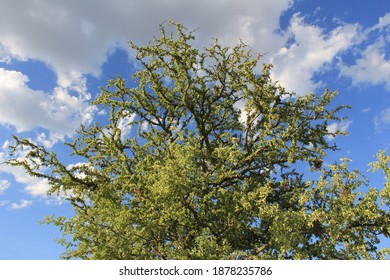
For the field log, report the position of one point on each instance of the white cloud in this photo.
(4, 185)
(382, 120)
(46, 141)
(32, 185)
(384, 22)
(372, 67)
(342, 126)
(76, 36)
(25, 109)
(22, 204)
(311, 52)
(77, 169)
(124, 124)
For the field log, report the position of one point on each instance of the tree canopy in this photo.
(208, 158)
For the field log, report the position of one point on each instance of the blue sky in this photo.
(55, 54)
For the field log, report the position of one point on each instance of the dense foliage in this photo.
(205, 159)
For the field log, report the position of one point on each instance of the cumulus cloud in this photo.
(22, 204)
(372, 65)
(24, 108)
(371, 68)
(309, 53)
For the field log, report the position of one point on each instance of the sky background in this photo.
(55, 54)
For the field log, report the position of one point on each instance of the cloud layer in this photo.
(382, 120)
(76, 36)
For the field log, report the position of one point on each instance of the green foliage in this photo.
(213, 171)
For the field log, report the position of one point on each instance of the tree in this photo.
(226, 164)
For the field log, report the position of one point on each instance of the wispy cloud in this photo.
(22, 204)
(3, 203)
(35, 187)
(372, 65)
(382, 120)
(4, 184)
(371, 68)
(383, 24)
(311, 51)
(366, 110)
(342, 126)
